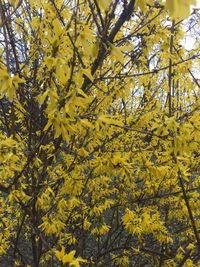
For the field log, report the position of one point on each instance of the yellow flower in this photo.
(69, 257)
(65, 258)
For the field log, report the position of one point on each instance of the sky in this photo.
(198, 3)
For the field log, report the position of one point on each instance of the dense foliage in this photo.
(99, 133)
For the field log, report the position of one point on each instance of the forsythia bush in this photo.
(99, 133)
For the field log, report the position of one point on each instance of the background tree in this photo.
(99, 133)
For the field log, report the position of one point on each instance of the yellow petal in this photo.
(69, 257)
(88, 74)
